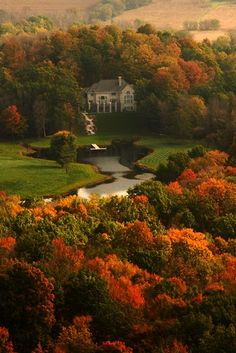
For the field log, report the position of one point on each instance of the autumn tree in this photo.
(26, 305)
(6, 345)
(12, 123)
(76, 338)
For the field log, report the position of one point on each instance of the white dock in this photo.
(95, 147)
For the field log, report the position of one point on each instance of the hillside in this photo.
(173, 13)
(45, 6)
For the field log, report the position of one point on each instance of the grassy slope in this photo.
(173, 13)
(162, 148)
(29, 177)
(45, 6)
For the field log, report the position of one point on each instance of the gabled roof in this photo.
(107, 86)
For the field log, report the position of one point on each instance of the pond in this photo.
(123, 177)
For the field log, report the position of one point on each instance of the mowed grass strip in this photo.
(162, 147)
(29, 177)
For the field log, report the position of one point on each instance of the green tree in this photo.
(63, 148)
(177, 162)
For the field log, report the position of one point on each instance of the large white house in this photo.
(111, 96)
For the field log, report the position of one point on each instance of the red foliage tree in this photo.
(65, 260)
(114, 347)
(12, 123)
(187, 177)
(6, 345)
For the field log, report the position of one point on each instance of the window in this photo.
(128, 98)
(113, 93)
(102, 99)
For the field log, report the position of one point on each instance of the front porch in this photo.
(104, 107)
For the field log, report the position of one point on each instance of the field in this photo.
(171, 14)
(29, 177)
(45, 6)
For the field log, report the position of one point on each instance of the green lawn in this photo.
(162, 147)
(30, 177)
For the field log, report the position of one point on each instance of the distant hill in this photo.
(173, 13)
(46, 6)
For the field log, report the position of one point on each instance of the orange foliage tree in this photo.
(76, 338)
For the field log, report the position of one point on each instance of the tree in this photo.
(26, 305)
(76, 338)
(147, 29)
(114, 347)
(63, 148)
(232, 152)
(12, 123)
(6, 345)
(176, 164)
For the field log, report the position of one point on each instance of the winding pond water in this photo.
(123, 177)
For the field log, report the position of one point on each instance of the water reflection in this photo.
(124, 177)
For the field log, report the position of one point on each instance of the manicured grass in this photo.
(30, 177)
(162, 147)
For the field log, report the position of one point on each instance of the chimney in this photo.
(120, 81)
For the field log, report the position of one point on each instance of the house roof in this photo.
(108, 86)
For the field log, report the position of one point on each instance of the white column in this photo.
(97, 107)
(104, 107)
(110, 107)
(89, 106)
(115, 106)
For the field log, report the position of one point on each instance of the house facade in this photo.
(114, 95)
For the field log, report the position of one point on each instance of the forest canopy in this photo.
(185, 89)
(153, 271)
